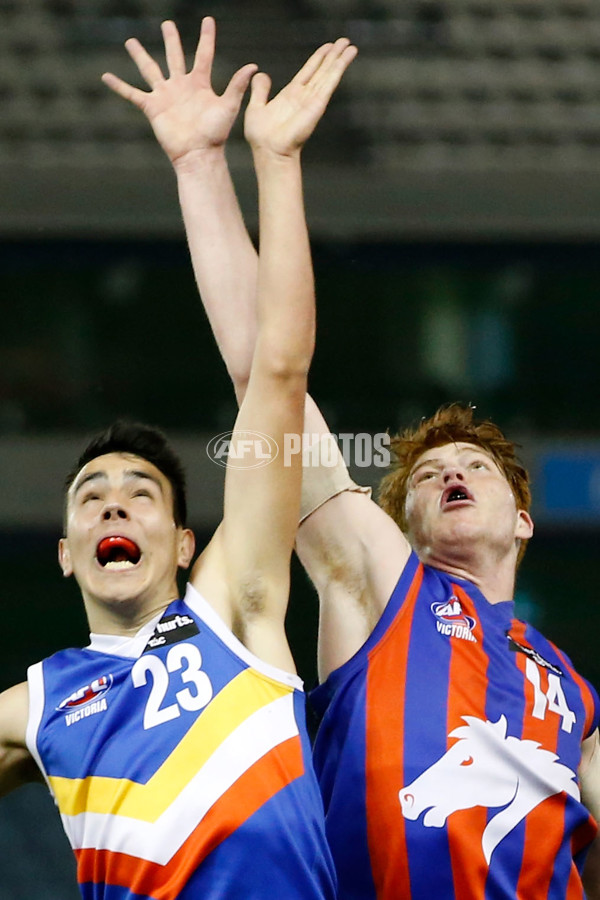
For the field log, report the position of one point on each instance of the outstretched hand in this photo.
(185, 112)
(282, 125)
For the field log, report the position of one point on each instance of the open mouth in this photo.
(456, 494)
(118, 552)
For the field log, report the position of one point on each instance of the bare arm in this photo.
(16, 764)
(354, 553)
(589, 777)
(262, 504)
(351, 550)
(246, 567)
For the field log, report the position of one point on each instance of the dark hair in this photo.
(148, 443)
(448, 425)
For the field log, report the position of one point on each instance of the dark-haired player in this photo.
(458, 751)
(175, 744)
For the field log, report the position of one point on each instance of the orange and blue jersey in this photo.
(448, 750)
(180, 765)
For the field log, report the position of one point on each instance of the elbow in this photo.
(285, 364)
(285, 356)
(286, 373)
(290, 370)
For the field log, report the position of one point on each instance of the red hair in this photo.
(449, 425)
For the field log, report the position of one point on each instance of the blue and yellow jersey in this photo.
(448, 753)
(180, 765)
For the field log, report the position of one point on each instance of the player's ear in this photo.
(187, 545)
(524, 525)
(64, 557)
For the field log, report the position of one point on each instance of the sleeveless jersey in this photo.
(448, 751)
(181, 765)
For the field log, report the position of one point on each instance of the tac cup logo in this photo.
(242, 449)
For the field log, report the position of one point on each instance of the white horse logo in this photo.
(487, 768)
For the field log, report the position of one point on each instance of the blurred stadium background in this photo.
(453, 194)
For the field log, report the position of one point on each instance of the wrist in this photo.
(200, 160)
(264, 155)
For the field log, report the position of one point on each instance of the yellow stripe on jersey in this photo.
(242, 696)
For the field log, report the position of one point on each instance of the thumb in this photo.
(259, 89)
(236, 88)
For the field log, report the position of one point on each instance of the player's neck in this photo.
(124, 617)
(495, 579)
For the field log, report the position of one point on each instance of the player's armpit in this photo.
(354, 554)
(351, 541)
(16, 764)
(345, 538)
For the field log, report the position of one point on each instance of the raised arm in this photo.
(351, 550)
(245, 570)
(262, 502)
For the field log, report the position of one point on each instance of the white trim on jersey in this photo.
(205, 611)
(35, 680)
(124, 645)
(133, 647)
(158, 841)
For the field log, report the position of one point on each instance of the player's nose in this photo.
(114, 511)
(453, 472)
